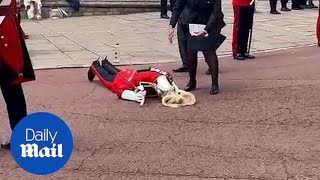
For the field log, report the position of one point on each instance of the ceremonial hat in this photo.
(178, 99)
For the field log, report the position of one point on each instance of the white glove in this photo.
(133, 96)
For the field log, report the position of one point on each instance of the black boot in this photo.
(214, 88)
(213, 63)
(215, 84)
(94, 64)
(193, 59)
(191, 85)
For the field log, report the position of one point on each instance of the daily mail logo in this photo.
(33, 150)
(41, 143)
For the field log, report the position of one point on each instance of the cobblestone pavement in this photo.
(76, 41)
(263, 125)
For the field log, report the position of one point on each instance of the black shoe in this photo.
(318, 44)
(239, 57)
(191, 86)
(91, 75)
(5, 146)
(214, 89)
(249, 56)
(312, 6)
(275, 12)
(181, 69)
(164, 16)
(285, 9)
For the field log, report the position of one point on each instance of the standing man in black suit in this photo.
(164, 8)
(209, 14)
(273, 6)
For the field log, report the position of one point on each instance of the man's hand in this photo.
(170, 34)
(201, 34)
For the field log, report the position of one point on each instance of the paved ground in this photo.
(263, 125)
(143, 37)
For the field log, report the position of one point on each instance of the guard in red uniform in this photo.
(318, 27)
(242, 28)
(15, 63)
(133, 85)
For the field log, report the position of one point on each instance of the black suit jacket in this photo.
(208, 12)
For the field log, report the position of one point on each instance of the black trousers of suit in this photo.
(273, 4)
(243, 22)
(15, 101)
(182, 33)
(164, 6)
(303, 2)
(296, 3)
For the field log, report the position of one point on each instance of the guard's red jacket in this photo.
(241, 2)
(15, 63)
(128, 79)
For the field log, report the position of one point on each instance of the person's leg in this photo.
(273, 6)
(182, 31)
(109, 67)
(172, 2)
(16, 104)
(211, 59)
(164, 9)
(284, 5)
(296, 5)
(243, 32)
(193, 65)
(311, 4)
(103, 75)
(236, 31)
(303, 3)
(249, 29)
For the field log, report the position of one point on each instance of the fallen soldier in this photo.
(136, 85)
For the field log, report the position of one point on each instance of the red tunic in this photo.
(241, 2)
(128, 79)
(15, 63)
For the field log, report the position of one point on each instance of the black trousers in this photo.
(182, 34)
(243, 22)
(107, 70)
(296, 3)
(164, 6)
(15, 101)
(273, 4)
(303, 2)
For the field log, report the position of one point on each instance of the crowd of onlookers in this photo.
(296, 5)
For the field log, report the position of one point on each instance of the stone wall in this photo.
(102, 7)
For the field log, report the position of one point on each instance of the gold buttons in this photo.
(5, 45)
(2, 37)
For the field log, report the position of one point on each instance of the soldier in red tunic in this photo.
(133, 85)
(243, 22)
(15, 63)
